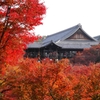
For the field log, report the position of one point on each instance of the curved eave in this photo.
(48, 43)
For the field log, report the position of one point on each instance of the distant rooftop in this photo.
(97, 38)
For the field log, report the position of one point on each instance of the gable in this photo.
(79, 35)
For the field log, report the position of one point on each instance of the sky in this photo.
(63, 14)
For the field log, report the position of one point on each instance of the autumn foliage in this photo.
(32, 80)
(87, 56)
(28, 79)
(17, 18)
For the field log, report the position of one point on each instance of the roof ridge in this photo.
(79, 25)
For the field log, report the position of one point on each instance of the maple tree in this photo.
(87, 56)
(28, 79)
(32, 80)
(17, 18)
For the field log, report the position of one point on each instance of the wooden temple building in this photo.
(63, 44)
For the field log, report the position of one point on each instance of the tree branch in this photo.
(6, 23)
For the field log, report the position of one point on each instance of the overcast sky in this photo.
(63, 14)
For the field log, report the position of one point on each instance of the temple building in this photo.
(63, 44)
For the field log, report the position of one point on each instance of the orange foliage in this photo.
(28, 79)
(87, 56)
(32, 80)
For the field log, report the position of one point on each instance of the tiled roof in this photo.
(38, 44)
(75, 44)
(97, 38)
(59, 39)
(60, 36)
(34, 45)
